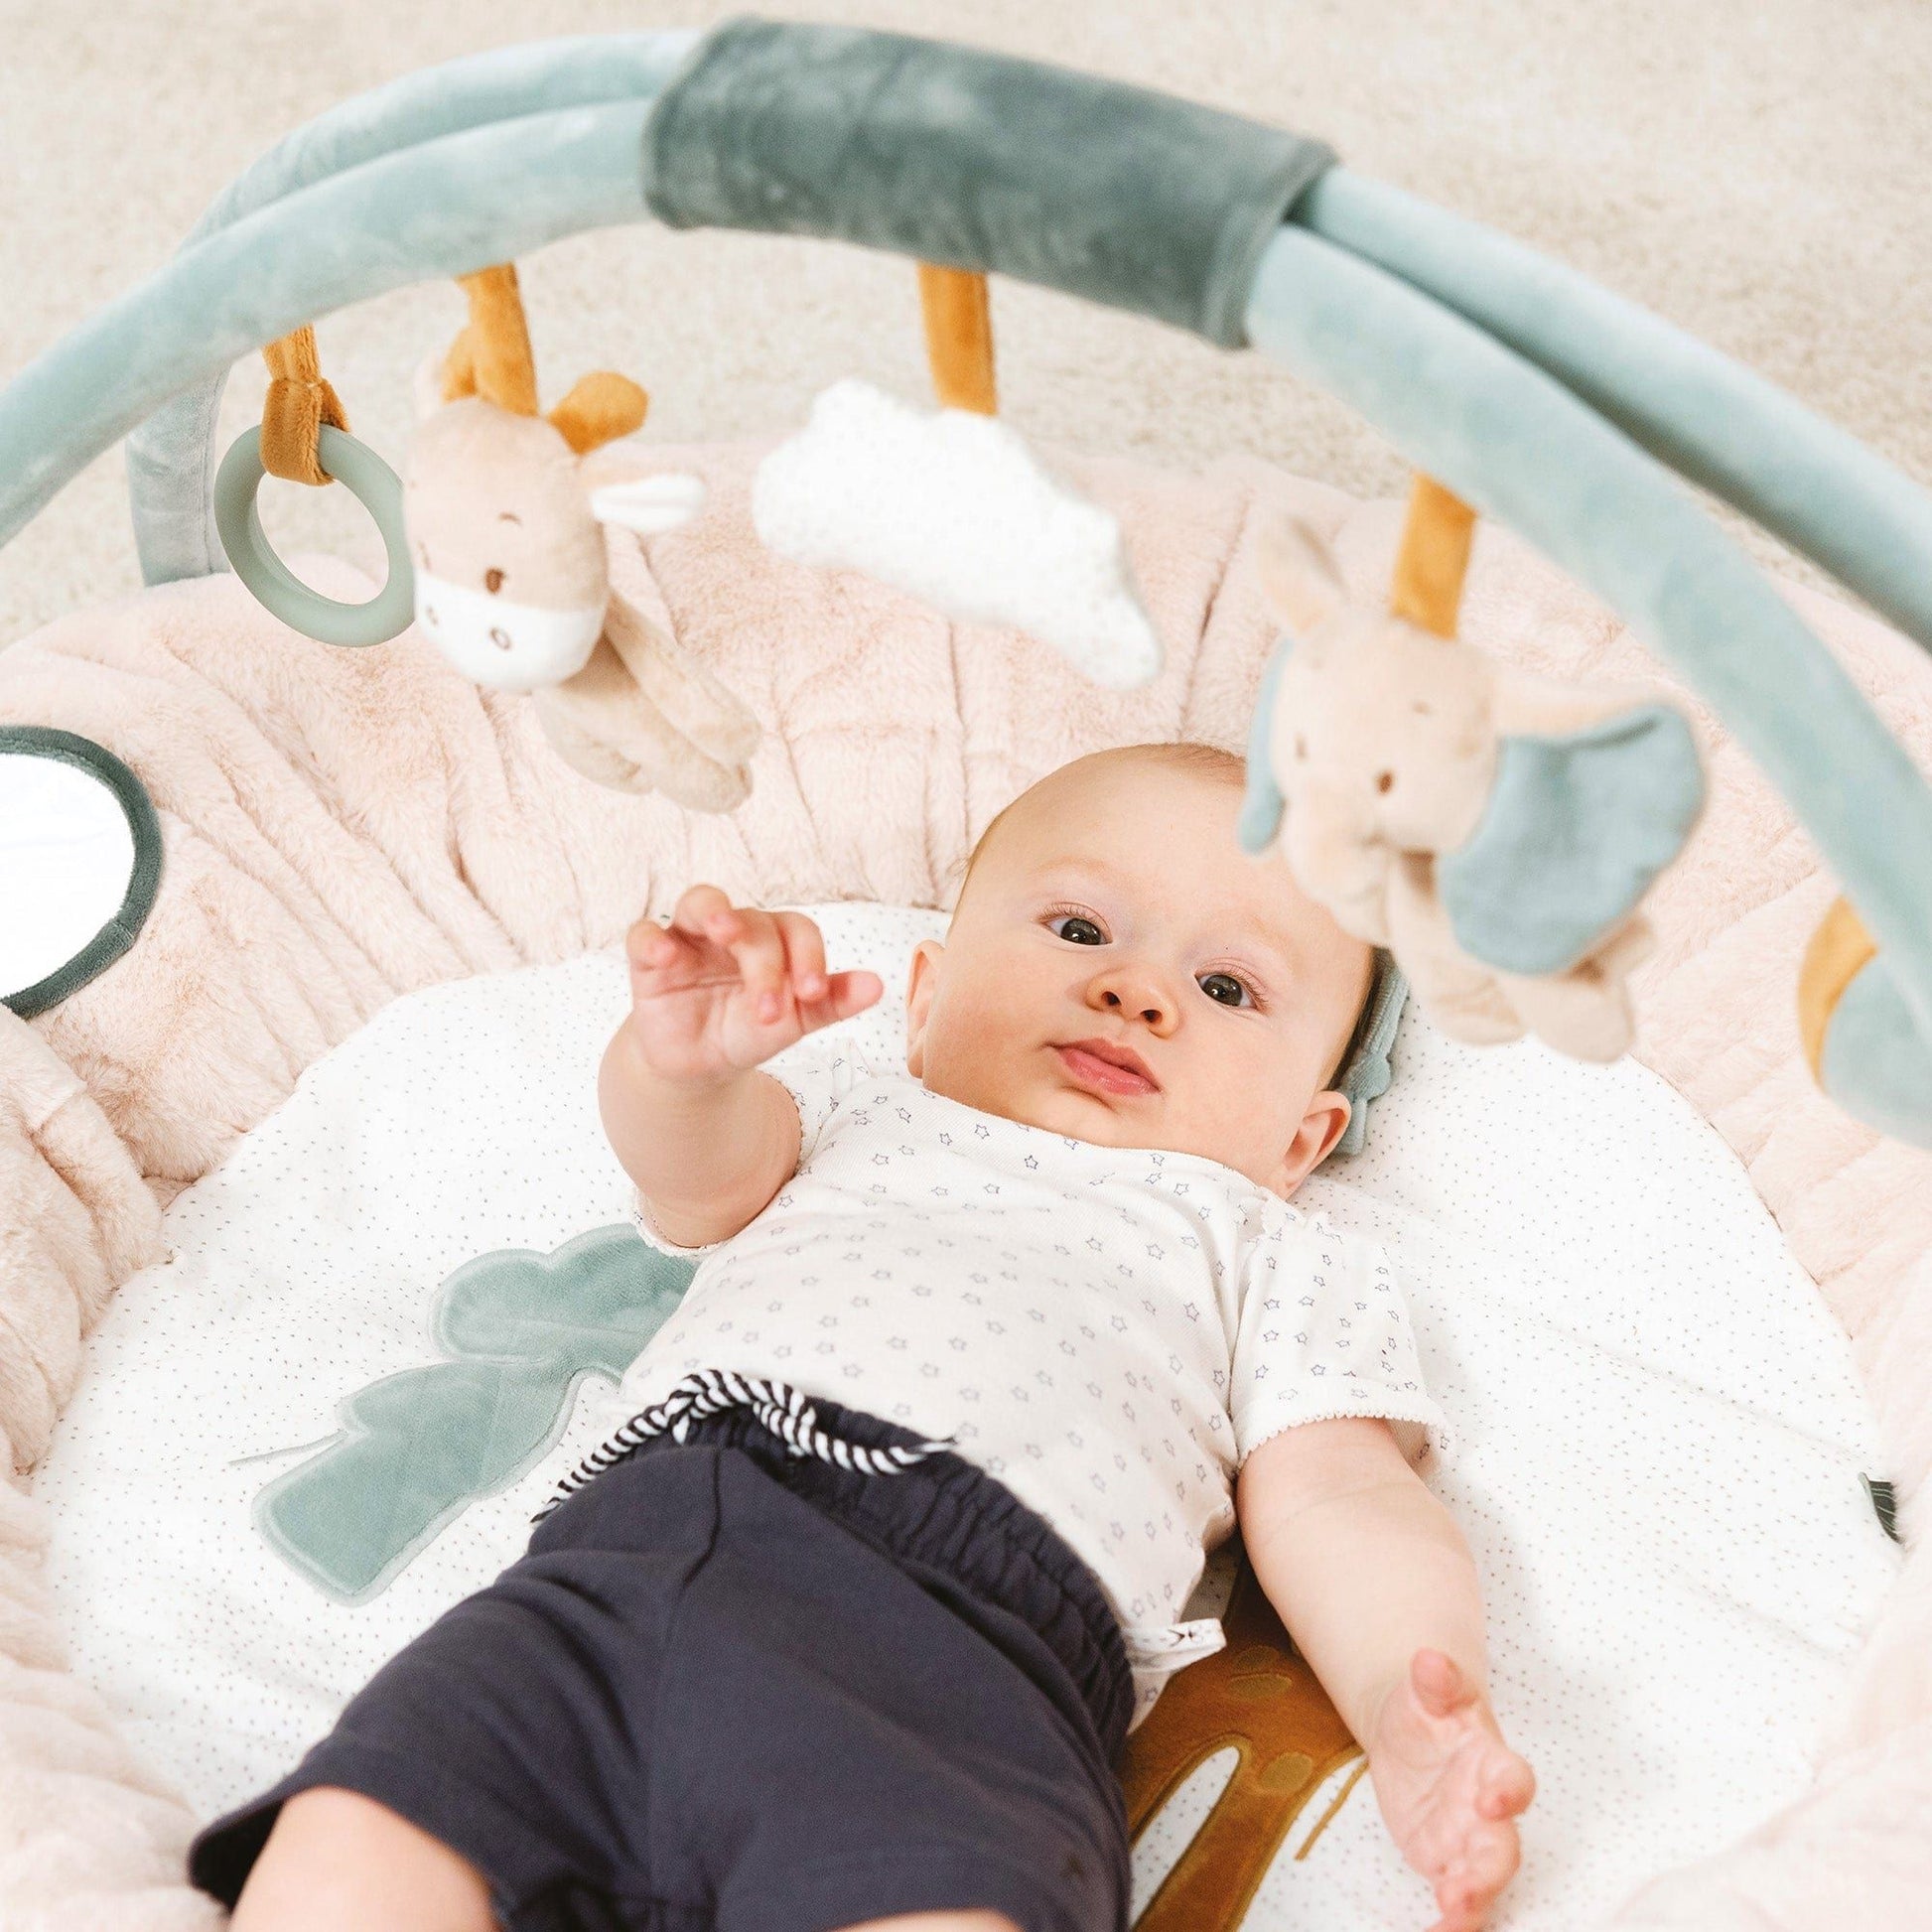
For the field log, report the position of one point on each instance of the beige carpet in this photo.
(1755, 170)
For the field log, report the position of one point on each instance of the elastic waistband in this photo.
(937, 1510)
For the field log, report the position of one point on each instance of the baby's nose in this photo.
(1137, 996)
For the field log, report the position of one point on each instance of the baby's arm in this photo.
(1378, 1589)
(707, 1138)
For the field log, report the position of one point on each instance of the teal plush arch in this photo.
(171, 457)
(1547, 404)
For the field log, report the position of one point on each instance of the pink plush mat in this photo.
(344, 826)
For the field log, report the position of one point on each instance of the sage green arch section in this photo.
(440, 208)
(1877, 1063)
(1711, 420)
(171, 457)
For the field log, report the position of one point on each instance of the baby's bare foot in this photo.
(1449, 1788)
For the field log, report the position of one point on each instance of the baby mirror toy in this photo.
(80, 864)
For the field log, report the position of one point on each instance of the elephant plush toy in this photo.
(508, 513)
(1494, 829)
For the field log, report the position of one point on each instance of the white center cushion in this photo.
(1659, 1433)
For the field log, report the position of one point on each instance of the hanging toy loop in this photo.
(491, 356)
(959, 337)
(304, 438)
(299, 402)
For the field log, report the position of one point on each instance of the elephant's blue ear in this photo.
(1262, 808)
(1575, 829)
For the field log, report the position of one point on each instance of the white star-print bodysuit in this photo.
(1108, 1332)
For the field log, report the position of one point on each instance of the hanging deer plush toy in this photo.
(509, 517)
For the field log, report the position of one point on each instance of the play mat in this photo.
(316, 1266)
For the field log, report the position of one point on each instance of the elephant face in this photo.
(1383, 736)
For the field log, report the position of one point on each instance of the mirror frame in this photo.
(143, 885)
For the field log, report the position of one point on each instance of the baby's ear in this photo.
(919, 985)
(1320, 1131)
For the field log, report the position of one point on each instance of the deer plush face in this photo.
(511, 581)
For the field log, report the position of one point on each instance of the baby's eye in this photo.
(1225, 988)
(1075, 931)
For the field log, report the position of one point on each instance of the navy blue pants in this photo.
(729, 1689)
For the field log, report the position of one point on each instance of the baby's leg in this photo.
(338, 1862)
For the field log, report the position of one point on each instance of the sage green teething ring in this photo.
(374, 485)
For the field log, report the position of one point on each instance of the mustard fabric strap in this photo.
(492, 357)
(1434, 558)
(959, 337)
(1837, 953)
(300, 400)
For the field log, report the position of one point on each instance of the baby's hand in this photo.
(723, 988)
(1449, 1788)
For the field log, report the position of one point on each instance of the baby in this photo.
(846, 1626)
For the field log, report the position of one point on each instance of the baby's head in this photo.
(1119, 970)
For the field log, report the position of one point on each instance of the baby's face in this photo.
(1120, 971)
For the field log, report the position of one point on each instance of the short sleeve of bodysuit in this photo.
(1323, 1332)
(818, 1074)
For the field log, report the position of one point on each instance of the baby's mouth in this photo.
(1107, 1067)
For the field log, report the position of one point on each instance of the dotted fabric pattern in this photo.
(1657, 1429)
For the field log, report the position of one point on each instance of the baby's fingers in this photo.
(841, 995)
(1465, 1893)
(847, 994)
(757, 950)
(662, 959)
(650, 947)
(695, 907)
(1439, 1686)
(1507, 1788)
(804, 956)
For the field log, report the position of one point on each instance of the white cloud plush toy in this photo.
(955, 510)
